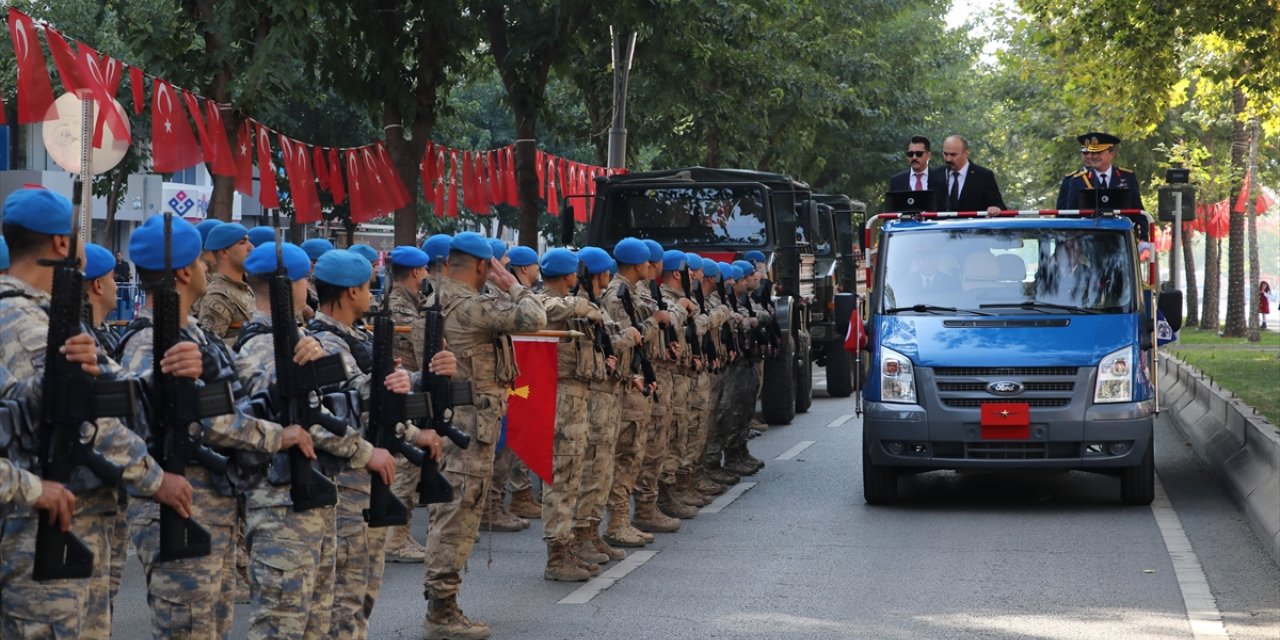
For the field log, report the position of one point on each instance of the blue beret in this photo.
(344, 269)
(726, 270)
(695, 261)
(753, 256)
(261, 235)
(613, 267)
(472, 244)
(631, 251)
(224, 235)
(522, 256)
(316, 247)
(710, 269)
(596, 259)
(674, 260)
(262, 260)
(98, 261)
(655, 250)
(39, 210)
(411, 257)
(559, 262)
(146, 244)
(499, 248)
(365, 251)
(4, 254)
(747, 267)
(205, 227)
(437, 246)
(737, 272)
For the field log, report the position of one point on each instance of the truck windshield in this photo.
(1008, 270)
(696, 215)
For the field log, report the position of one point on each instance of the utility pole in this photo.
(623, 50)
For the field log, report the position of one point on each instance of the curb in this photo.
(1239, 445)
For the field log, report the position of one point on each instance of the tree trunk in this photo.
(406, 156)
(1235, 323)
(1191, 289)
(1209, 320)
(527, 178)
(1252, 210)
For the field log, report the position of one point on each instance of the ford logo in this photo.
(1005, 388)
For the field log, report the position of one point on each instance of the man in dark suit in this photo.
(1099, 151)
(916, 177)
(968, 187)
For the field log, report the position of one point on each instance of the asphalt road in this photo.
(799, 555)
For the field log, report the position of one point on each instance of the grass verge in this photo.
(1253, 375)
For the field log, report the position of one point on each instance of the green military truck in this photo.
(836, 250)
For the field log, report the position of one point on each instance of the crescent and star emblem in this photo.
(164, 102)
(20, 38)
(1004, 413)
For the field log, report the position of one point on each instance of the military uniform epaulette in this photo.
(1077, 174)
(1124, 170)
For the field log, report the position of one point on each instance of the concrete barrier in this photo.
(1239, 445)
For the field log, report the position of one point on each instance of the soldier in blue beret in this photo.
(100, 288)
(261, 235)
(316, 247)
(437, 246)
(226, 235)
(557, 263)
(655, 250)
(205, 226)
(754, 257)
(631, 251)
(4, 256)
(227, 302)
(499, 250)
(365, 251)
(523, 264)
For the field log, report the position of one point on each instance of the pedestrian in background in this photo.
(124, 287)
(1265, 298)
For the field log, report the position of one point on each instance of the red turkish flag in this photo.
(1263, 202)
(244, 158)
(173, 147)
(553, 197)
(104, 74)
(426, 168)
(197, 117)
(437, 195)
(531, 404)
(267, 193)
(135, 86)
(224, 162)
(453, 186)
(70, 68)
(35, 92)
(336, 185)
(540, 163)
(1242, 202)
(377, 195)
(355, 183)
(321, 167)
(513, 196)
(400, 197)
(302, 186)
(855, 339)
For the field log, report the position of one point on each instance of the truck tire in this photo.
(778, 398)
(839, 371)
(804, 375)
(879, 483)
(1138, 483)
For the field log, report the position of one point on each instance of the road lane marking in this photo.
(841, 420)
(591, 589)
(795, 451)
(725, 499)
(1202, 608)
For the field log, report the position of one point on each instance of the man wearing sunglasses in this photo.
(1097, 152)
(916, 177)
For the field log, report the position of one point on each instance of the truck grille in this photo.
(1042, 387)
(1006, 450)
(961, 403)
(942, 372)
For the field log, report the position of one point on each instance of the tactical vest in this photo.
(492, 364)
(361, 348)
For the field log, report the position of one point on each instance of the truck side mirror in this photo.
(1170, 304)
(566, 225)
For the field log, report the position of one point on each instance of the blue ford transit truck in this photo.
(1014, 341)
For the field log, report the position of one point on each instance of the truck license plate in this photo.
(1006, 421)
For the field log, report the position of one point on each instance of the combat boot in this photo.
(669, 504)
(585, 549)
(524, 505)
(750, 459)
(651, 519)
(560, 565)
(717, 474)
(684, 491)
(734, 463)
(614, 554)
(445, 621)
(591, 567)
(496, 518)
(401, 547)
(619, 533)
(705, 485)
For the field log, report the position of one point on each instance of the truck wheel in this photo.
(1138, 484)
(778, 398)
(839, 371)
(804, 376)
(879, 483)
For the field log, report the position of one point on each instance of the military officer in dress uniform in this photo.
(1099, 152)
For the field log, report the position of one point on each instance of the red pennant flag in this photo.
(378, 190)
(437, 198)
(244, 159)
(173, 148)
(223, 163)
(1242, 202)
(103, 75)
(35, 92)
(336, 185)
(453, 186)
(356, 182)
(513, 196)
(427, 168)
(267, 193)
(1219, 223)
(135, 85)
(400, 197)
(302, 186)
(486, 186)
(197, 117)
(321, 167)
(553, 199)
(531, 405)
(71, 72)
(312, 212)
(542, 184)
(469, 183)
(855, 339)
(1263, 202)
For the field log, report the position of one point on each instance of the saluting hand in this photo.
(499, 276)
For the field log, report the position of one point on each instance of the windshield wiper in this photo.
(929, 308)
(1035, 305)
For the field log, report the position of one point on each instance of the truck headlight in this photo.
(897, 377)
(1115, 377)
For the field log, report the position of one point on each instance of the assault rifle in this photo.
(599, 333)
(295, 397)
(690, 325)
(66, 387)
(640, 352)
(669, 336)
(177, 406)
(445, 395)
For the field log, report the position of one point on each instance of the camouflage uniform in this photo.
(18, 486)
(404, 305)
(577, 366)
(738, 400)
(226, 301)
(193, 597)
(475, 329)
(701, 408)
(292, 554)
(62, 608)
(672, 427)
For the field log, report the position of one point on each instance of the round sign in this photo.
(62, 138)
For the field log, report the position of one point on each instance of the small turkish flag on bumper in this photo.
(1006, 421)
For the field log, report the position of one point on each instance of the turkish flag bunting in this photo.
(336, 185)
(197, 116)
(426, 168)
(531, 404)
(244, 158)
(553, 197)
(302, 185)
(539, 162)
(400, 197)
(499, 188)
(1264, 202)
(468, 182)
(486, 186)
(173, 148)
(104, 74)
(493, 186)
(453, 186)
(376, 190)
(1242, 202)
(355, 183)
(223, 163)
(321, 167)
(267, 193)
(509, 189)
(135, 86)
(69, 66)
(35, 92)
(437, 197)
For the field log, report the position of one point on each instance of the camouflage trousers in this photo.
(36, 610)
(628, 452)
(605, 416)
(291, 566)
(683, 419)
(454, 526)
(737, 405)
(712, 448)
(405, 486)
(95, 521)
(119, 536)
(560, 498)
(359, 559)
(191, 597)
(699, 420)
(508, 473)
(674, 392)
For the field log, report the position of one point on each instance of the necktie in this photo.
(954, 196)
(919, 182)
(1102, 180)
